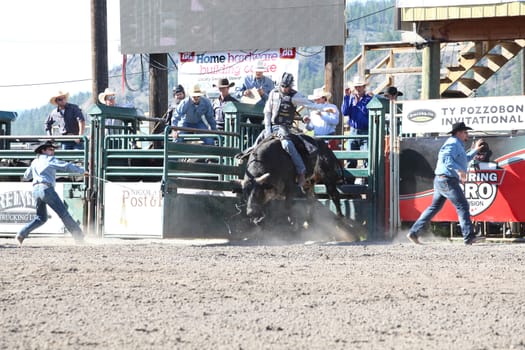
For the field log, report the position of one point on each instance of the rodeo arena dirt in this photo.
(189, 294)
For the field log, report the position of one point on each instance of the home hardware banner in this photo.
(481, 114)
(495, 186)
(206, 68)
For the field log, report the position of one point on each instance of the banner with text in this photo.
(206, 68)
(481, 114)
(133, 209)
(18, 207)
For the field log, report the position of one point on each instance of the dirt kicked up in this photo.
(168, 295)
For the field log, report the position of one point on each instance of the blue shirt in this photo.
(44, 167)
(264, 83)
(356, 111)
(67, 120)
(188, 112)
(324, 122)
(453, 158)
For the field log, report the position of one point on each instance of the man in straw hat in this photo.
(259, 82)
(224, 86)
(451, 170)
(43, 173)
(323, 122)
(190, 112)
(354, 106)
(69, 118)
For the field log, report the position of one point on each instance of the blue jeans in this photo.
(46, 195)
(447, 188)
(357, 145)
(199, 125)
(68, 145)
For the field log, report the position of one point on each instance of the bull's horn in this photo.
(262, 179)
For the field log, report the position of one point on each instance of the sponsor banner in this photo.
(484, 113)
(495, 185)
(18, 207)
(133, 209)
(206, 68)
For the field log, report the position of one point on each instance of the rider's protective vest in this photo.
(286, 111)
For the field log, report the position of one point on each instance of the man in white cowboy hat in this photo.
(190, 113)
(451, 172)
(354, 107)
(323, 122)
(108, 97)
(259, 82)
(224, 96)
(69, 118)
(42, 172)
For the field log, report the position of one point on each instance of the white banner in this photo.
(18, 207)
(481, 114)
(207, 68)
(133, 209)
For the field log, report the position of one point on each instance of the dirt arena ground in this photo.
(153, 294)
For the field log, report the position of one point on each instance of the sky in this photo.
(45, 45)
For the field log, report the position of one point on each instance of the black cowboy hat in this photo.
(224, 82)
(458, 127)
(44, 146)
(391, 91)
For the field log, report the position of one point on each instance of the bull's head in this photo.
(258, 191)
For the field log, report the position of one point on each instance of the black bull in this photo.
(270, 175)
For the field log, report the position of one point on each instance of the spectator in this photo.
(323, 122)
(190, 112)
(391, 93)
(224, 89)
(354, 106)
(69, 118)
(260, 82)
(43, 173)
(178, 96)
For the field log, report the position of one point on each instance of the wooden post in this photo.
(158, 87)
(430, 74)
(334, 77)
(99, 47)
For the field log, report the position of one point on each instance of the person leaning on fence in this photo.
(224, 89)
(354, 106)
(178, 96)
(190, 113)
(69, 118)
(42, 172)
(450, 173)
(323, 122)
(257, 81)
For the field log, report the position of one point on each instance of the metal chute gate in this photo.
(145, 185)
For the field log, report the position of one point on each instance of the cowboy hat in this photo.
(260, 67)
(60, 93)
(318, 93)
(107, 92)
(48, 144)
(196, 91)
(458, 127)
(224, 83)
(391, 91)
(357, 81)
